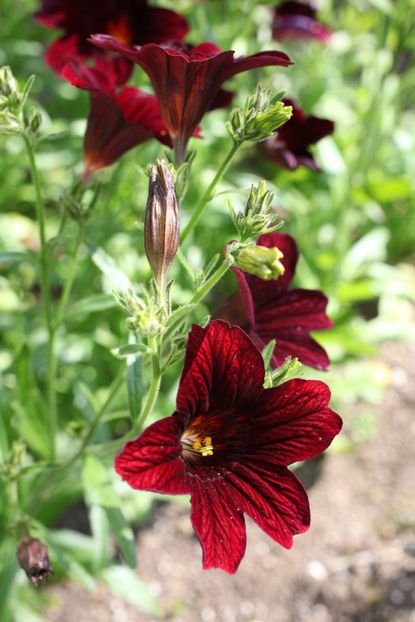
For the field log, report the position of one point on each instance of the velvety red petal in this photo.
(295, 7)
(303, 347)
(244, 299)
(108, 135)
(159, 25)
(222, 368)
(288, 317)
(297, 310)
(223, 99)
(62, 51)
(83, 77)
(142, 109)
(263, 292)
(278, 153)
(262, 59)
(152, 461)
(298, 20)
(272, 496)
(219, 526)
(316, 128)
(294, 423)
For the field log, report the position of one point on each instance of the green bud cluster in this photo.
(15, 119)
(259, 118)
(258, 217)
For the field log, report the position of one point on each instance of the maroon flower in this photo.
(130, 21)
(119, 119)
(269, 310)
(297, 20)
(229, 443)
(289, 148)
(186, 84)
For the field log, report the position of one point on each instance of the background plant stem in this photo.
(208, 195)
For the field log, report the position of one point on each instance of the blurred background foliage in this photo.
(354, 223)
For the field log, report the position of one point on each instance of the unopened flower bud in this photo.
(261, 261)
(32, 555)
(35, 122)
(161, 230)
(8, 83)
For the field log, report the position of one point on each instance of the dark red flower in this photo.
(289, 148)
(119, 118)
(298, 20)
(229, 443)
(269, 310)
(186, 84)
(130, 21)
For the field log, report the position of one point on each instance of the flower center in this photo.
(120, 29)
(205, 447)
(194, 446)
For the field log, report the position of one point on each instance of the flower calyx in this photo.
(258, 216)
(260, 261)
(259, 118)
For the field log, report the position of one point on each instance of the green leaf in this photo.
(135, 386)
(127, 350)
(91, 304)
(117, 279)
(16, 257)
(291, 368)
(102, 498)
(123, 582)
(123, 534)
(267, 353)
(99, 522)
(178, 315)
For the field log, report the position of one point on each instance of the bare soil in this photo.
(356, 564)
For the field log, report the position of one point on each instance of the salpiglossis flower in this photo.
(187, 83)
(290, 147)
(229, 443)
(129, 21)
(119, 118)
(269, 310)
(298, 20)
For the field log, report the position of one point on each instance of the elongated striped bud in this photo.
(162, 228)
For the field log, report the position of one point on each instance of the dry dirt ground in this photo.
(356, 564)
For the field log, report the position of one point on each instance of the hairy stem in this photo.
(69, 279)
(208, 195)
(211, 282)
(45, 292)
(154, 385)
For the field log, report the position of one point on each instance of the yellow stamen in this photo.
(205, 448)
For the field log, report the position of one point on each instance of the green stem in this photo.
(181, 257)
(208, 195)
(69, 279)
(154, 386)
(114, 388)
(40, 215)
(211, 282)
(45, 289)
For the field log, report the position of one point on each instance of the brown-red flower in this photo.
(130, 21)
(298, 20)
(119, 118)
(229, 443)
(290, 147)
(269, 310)
(187, 83)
